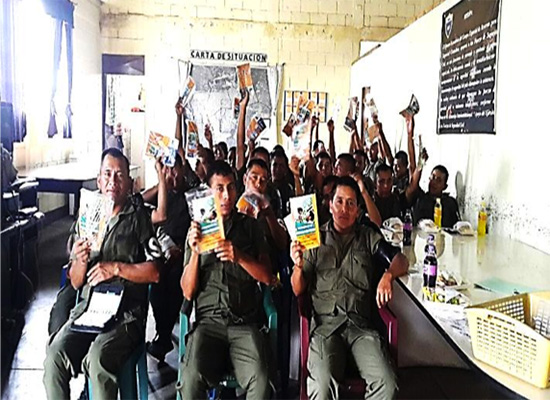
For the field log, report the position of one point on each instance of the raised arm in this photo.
(414, 183)
(294, 168)
(331, 145)
(179, 130)
(158, 216)
(208, 136)
(385, 146)
(410, 143)
(372, 210)
(240, 160)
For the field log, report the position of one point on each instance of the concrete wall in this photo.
(508, 169)
(317, 40)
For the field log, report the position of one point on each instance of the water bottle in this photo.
(407, 228)
(438, 212)
(430, 268)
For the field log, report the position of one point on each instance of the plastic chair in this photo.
(228, 380)
(132, 378)
(353, 387)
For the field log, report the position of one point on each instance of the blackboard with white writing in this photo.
(468, 71)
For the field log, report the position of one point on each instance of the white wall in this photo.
(508, 169)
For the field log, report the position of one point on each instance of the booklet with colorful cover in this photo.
(304, 109)
(187, 91)
(244, 76)
(162, 146)
(204, 209)
(287, 130)
(192, 139)
(250, 203)
(353, 111)
(94, 214)
(301, 139)
(412, 109)
(255, 128)
(306, 223)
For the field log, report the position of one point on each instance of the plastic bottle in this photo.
(438, 212)
(430, 268)
(482, 220)
(407, 228)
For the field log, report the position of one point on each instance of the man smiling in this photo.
(128, 257)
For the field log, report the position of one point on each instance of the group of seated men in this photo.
(346, 278)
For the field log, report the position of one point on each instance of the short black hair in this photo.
(223, 146)
(116, 153)
(329, 180)
(349, 159)
(317, 144)
(402, 156)
(322, 154)
(179, 161)
(259, 163)
(443, 170)
(347, 181)
(208, 155)
(361, 153)
(278, 147)
(259, 150)
(383, 168)
(278, 153)
(219, 167)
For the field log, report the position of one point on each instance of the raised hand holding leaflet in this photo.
(93, 217)
(192, 139)
(162, 146)
(244, 76)
(255, 128)
(412, 109)
(205, 209)
(187, 92)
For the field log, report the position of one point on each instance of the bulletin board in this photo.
(291, 101)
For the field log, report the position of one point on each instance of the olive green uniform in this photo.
(342, 281)
(229, 318)
(130, 239)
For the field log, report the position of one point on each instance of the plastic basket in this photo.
(512, 334)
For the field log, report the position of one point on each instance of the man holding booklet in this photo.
(222, 279)
(347, 276)
(113, 281)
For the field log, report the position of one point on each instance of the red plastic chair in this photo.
(353, 387)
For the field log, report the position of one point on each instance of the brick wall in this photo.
(316, 39)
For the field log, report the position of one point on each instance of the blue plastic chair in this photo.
(229, 381)
(132, 378)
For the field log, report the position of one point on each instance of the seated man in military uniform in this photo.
(345, 279)
(128, 257)
(224, 286)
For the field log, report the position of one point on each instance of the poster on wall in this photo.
(468, 69)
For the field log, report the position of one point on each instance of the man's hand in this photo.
(245, 96)
(208, 133)
(102, 272)
(330, 125)
(179, 109)
(226, 252)
(384, 290)
(359, 179)
(194, 236)
(314, 121)
(81, 251)
(159, 168)
(297, 254)
(294, 165)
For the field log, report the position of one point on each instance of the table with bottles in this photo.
(492, 261)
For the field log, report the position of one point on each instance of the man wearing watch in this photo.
(129, 256)
(347, 277)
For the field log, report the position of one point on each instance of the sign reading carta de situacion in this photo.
(208, 55)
